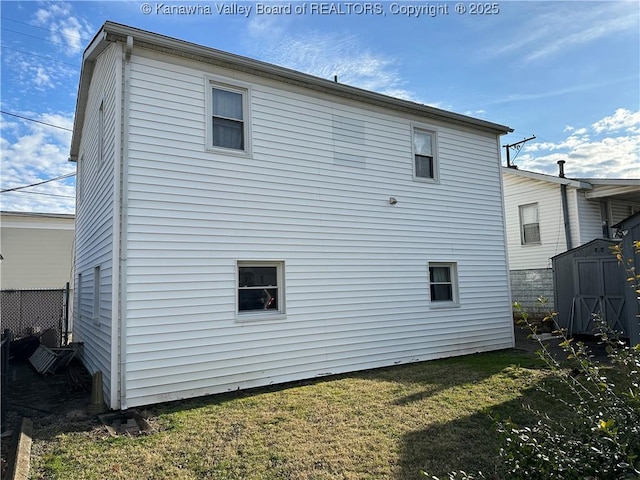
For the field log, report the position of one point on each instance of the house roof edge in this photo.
(572, 182)
(111, 32)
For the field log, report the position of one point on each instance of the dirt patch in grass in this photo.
(380, 424)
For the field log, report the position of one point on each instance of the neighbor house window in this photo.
(424, 154)
(443, 286)
(228, 117)
(260, 288)
(529, 224)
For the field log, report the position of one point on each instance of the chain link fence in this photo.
(43, 313)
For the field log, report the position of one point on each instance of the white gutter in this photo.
(124, 185)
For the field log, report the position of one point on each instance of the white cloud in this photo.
(326, 55)
(622, 119)
(65, 29)
(553, 27)
(32, 152)
(38, 73)
(610, 148)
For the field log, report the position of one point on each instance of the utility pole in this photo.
(516, 146)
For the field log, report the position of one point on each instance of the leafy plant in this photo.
(601, 438)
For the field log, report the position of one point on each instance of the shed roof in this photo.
(115, 32)
(586, 246)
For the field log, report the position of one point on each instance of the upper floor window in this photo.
(101, 138)
(228, 113)
(529, 224)
(425, 165)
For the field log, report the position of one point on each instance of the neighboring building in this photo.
(35, 269)
(37, 250)
(549, 215)
(241, 224)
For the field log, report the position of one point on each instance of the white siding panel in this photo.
(95, 216)
(356, 276)
(620, 211)
(590, 219)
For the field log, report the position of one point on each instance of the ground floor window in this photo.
(443, 284)
(260, 287)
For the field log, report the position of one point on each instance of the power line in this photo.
(47, 194)
(13, 189)
(36, 121)
(33, 36)
(41, 28)
(39, 56)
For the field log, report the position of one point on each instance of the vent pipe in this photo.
(561, 168)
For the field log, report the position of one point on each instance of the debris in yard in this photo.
(48, 360)
(129, 422)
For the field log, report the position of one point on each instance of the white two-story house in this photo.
(240, 224)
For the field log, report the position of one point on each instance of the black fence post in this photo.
(6, 341)
(66, 315)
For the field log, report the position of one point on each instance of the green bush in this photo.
(601, 438)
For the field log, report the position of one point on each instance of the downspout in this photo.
(565, 207)
(114, 370)
(124, 222)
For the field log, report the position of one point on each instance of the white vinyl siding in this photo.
(357, 290)
(95, 216)
(590, 219)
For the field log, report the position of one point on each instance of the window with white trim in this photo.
(425, 163)
(529, 224)
(96, 295)
(443, 284)
(260, 288)
(228, 117)
(101, 138)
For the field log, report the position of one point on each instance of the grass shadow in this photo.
(470, 443)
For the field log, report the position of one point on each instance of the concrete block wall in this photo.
(528, 285)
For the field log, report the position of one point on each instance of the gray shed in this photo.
(588, 280)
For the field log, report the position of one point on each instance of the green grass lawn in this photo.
(381, 424)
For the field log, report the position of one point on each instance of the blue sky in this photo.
(567, 72)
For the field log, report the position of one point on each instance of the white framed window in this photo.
(425, 158)
(260, 289)
(443, 284)
(96, 295)
(101, 138)
(228, 117)
(79, 178)
(78, 288)
(529, 224)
